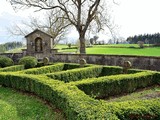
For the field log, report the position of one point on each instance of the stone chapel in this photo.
(39, 44)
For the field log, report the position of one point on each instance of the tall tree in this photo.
(80, 13)
(55, 26)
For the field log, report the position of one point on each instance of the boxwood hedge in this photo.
(75, 104)
(51, 68)
(77, 74)
(117, 84)
(88, 72)
(12, 68)
(71, 97)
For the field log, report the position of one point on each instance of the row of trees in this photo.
(10, 45)
(146, 38)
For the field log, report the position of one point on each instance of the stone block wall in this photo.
(139, 62)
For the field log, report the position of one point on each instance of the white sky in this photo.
(133, 16)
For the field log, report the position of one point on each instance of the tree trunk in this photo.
(82, 45)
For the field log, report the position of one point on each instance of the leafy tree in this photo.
(82, 14)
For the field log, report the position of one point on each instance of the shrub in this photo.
(28, 62)
(12, 68)
(69, 45)
(68, 66)
(45, 69)
(5, 61)
(111, 70)
(75, 104)
(136, 110)
(117, 84)
(77, 74)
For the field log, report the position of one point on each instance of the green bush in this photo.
(77, 74)
(90, 71)
(114, 70)
(51, 68)
(117, 84)
(136, 110)
(75, 104)
(45, 69)
(12, 68)
(68, 66)
(5, 61)
(28, 62)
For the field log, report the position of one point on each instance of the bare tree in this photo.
(80, 13)
(52, 24)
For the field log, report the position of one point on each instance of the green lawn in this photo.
(119, 50)
(120, 45)
(113, 49)
(153, 51)
(147, 93)
(19, 106)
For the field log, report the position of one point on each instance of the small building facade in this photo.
(39, 44)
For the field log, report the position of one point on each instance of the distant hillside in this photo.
(10, 46)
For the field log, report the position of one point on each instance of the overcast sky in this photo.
(132, 16)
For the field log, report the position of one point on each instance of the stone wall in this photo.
(14, 56)
(139, 62)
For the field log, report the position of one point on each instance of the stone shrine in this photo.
(39, 44)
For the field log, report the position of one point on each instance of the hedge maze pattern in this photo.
(73, 90)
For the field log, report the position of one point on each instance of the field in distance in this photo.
(115, 49)
(112, 49)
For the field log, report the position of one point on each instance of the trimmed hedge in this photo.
(75, 104)
(77, 74)
(136, 110)
(51, 68)
(89, 72)
(68, 66)
(12, 68)
(45, 69)
(117, 84)
(114, 70)
(111, 70)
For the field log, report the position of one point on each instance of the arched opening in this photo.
(38, 44)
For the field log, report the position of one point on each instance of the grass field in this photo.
(120, 49)
(19, 106)
(154, 51)
(113, 49)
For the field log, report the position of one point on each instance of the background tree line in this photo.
(10, 45)
(146, 38)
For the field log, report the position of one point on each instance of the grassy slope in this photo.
(18, 106)
(117, 50)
